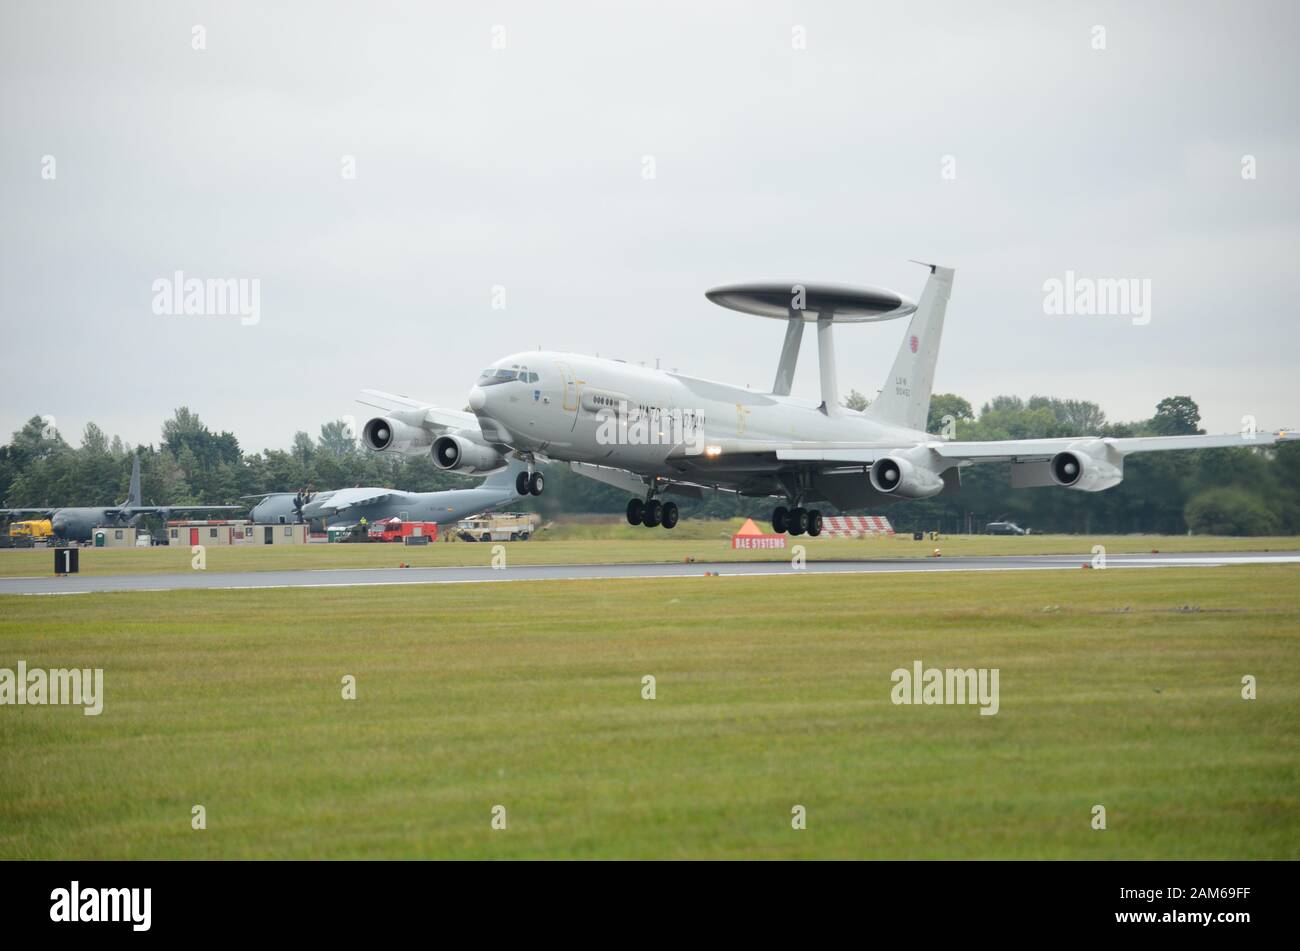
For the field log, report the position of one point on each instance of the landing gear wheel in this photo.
(797, 521)
(780, 519)
(814, 523)
(635, 512)
(521, 484)
(654, 511)
(536, 483)
(668, 518)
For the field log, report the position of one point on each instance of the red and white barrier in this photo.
(855, 526)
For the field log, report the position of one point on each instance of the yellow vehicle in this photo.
(501, 527)
(32, 528)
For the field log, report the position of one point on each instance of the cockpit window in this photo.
(491, 377)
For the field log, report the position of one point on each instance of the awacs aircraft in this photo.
(373, 504)
(653, 432)
(77, 524)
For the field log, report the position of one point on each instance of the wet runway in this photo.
(362, 577)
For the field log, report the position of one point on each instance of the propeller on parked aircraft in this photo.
(304, 496)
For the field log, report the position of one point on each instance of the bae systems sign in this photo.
(751, 536)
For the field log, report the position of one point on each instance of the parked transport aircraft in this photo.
(77, 523)
(376, 503)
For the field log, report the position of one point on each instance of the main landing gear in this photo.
(652, 512)
(529, 483)
(796, 521)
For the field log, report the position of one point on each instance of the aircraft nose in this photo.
(477, 398)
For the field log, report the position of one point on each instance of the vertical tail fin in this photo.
(905, 398)
(133, 497)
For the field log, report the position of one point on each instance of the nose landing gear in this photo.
(530, 482)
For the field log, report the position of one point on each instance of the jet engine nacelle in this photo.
(385, 434)
(894, 475)
(458, 454)
(1084, 472)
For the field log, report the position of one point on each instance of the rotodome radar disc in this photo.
(839, 304)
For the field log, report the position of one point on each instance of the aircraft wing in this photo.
(431, 417)
(1030, 450)
(1014, 450)
(342, 499)
(1083, 463)
(47, 510)
(168, 509)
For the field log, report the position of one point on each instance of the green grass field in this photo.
(708, 541)
(1119, 688)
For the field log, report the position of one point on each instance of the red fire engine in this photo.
(395, 530)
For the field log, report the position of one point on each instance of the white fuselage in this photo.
(569, 412)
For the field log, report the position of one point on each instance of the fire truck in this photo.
(395, 530)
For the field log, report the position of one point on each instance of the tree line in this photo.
(1219, 491)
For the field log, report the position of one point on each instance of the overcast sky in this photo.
(525, 167)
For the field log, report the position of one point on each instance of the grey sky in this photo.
(522, 167)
